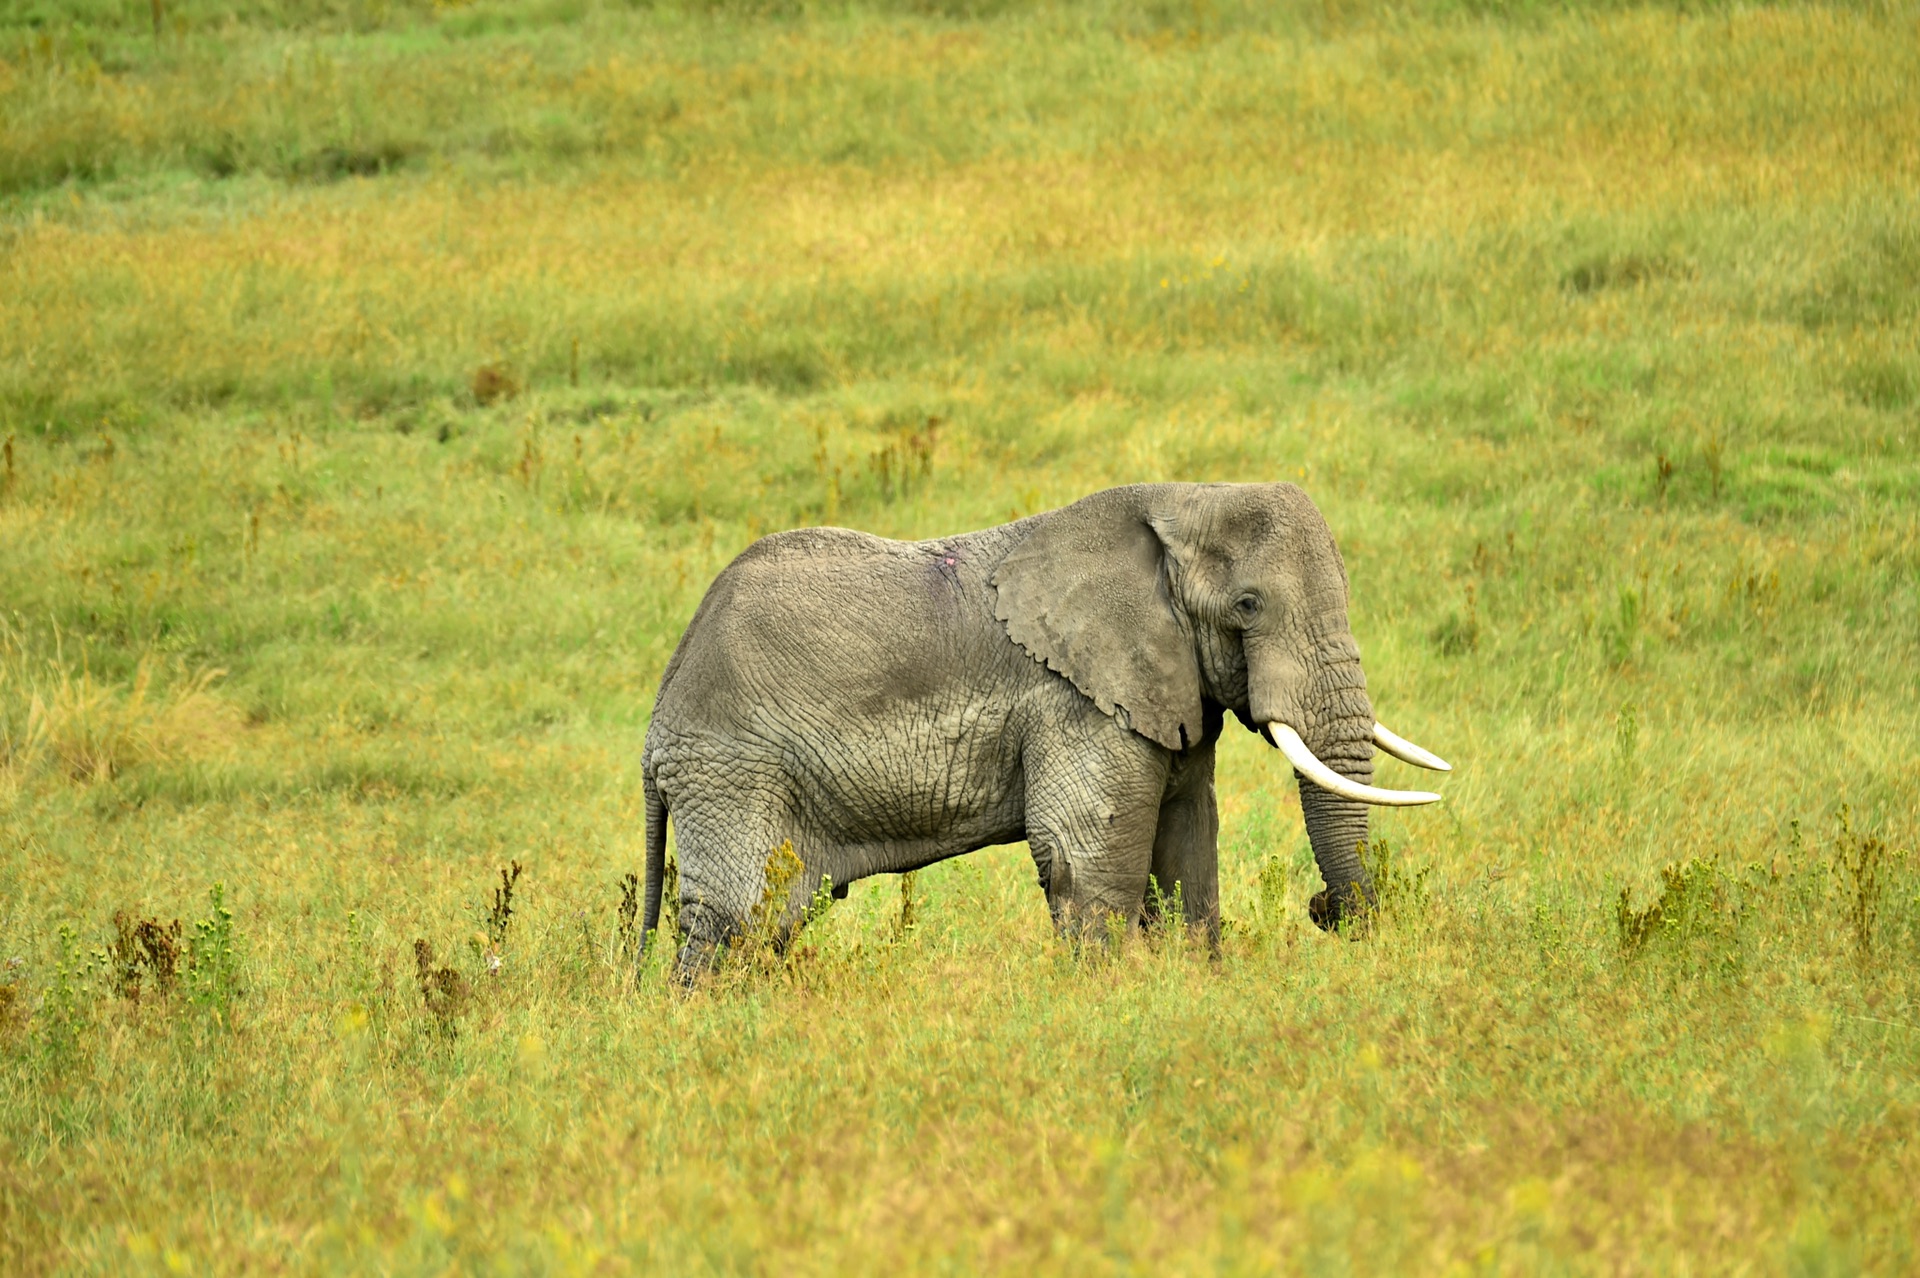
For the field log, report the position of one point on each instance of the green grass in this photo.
(1592, 330)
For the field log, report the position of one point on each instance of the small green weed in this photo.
(1547, 925)
(1271, 892)
(908, 918)
(64, 1012)
(820, 904)
(213, 959)
(1166, 912)
(1399, 889)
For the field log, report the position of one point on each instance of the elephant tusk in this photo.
(1406, 751)
(1310, 767)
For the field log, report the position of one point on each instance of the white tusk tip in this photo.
(1406, 751)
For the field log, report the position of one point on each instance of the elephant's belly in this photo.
(926, 785)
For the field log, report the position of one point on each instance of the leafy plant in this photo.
(821, 902)
(63, 1013)
(1547, 925)
(1167, 911)
(213, 959)
(1272, 891)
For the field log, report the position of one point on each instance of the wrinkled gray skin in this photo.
(1063, 679)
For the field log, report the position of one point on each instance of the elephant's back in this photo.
(834, 621)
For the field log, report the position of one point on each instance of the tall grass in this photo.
(1591, 331)
(796, 206)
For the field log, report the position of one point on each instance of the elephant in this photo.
(1064, 678)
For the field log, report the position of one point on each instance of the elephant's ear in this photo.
(1086, 592)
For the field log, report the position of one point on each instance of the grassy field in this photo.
(381, 384)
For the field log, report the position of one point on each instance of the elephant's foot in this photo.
(1091, 928)
(708, 932)
(1196, 926)
(695, 961)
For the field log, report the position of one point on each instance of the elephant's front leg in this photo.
(1186, 845)
(1093, 805)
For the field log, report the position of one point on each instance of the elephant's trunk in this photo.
(1340, 735)
(1337, 828)
(1324, 724)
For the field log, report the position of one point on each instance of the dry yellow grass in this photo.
(90, 730)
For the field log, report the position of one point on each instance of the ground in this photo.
(382, 383)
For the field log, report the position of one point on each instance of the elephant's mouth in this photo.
(1309, 766)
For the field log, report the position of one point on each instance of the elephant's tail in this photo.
(656, 857)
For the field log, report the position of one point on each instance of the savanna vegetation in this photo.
(382, 382)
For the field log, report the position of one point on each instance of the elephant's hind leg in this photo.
(723, 857)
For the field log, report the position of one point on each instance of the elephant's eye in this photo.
(1247, 606)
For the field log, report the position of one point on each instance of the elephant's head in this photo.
(1158, 598)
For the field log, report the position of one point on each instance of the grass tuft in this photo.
(92, 729)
